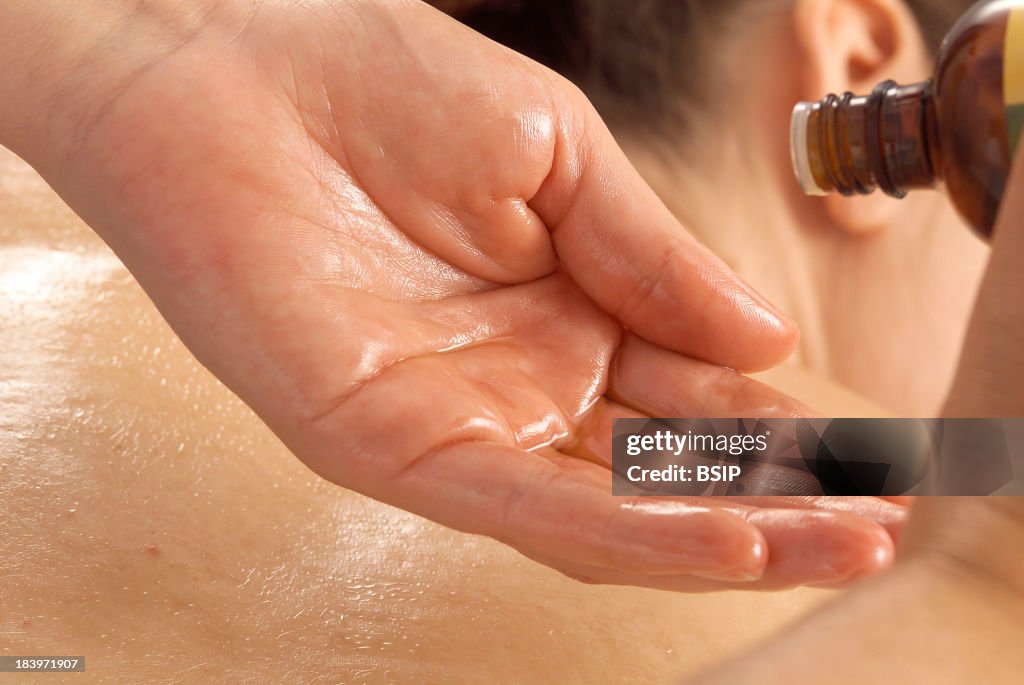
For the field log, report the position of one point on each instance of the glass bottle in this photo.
(958, 130)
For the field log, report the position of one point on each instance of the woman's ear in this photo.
(853, 45)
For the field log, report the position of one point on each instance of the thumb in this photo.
(620, 243)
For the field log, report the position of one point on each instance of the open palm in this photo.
(423, 261)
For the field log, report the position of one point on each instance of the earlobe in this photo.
(853, 45)
(862, 215)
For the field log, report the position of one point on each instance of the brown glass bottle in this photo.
(959, 130)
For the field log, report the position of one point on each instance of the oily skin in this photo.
(919, 624)
(419, 277)
(152, 523)
(948, 613)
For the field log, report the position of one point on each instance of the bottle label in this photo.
(1013, 77)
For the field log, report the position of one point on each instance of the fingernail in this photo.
(772, 317)
(883, 559)
(731, 576)
(843, 566)
(748, 572)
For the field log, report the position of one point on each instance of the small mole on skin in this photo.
(151, 550)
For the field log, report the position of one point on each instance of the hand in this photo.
(424, 262)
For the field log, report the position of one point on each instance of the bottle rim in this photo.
(800, 155)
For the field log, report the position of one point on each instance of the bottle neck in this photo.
(856, 145)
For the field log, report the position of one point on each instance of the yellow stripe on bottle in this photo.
(1013, 77)
(1013, 63)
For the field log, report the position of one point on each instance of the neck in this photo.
(739, 211)
(881, 314)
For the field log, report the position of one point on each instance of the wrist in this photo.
(64, 62)
(41, 44)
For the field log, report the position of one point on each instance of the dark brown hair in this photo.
(636, 59)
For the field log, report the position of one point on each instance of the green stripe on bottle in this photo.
(1014, 126)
